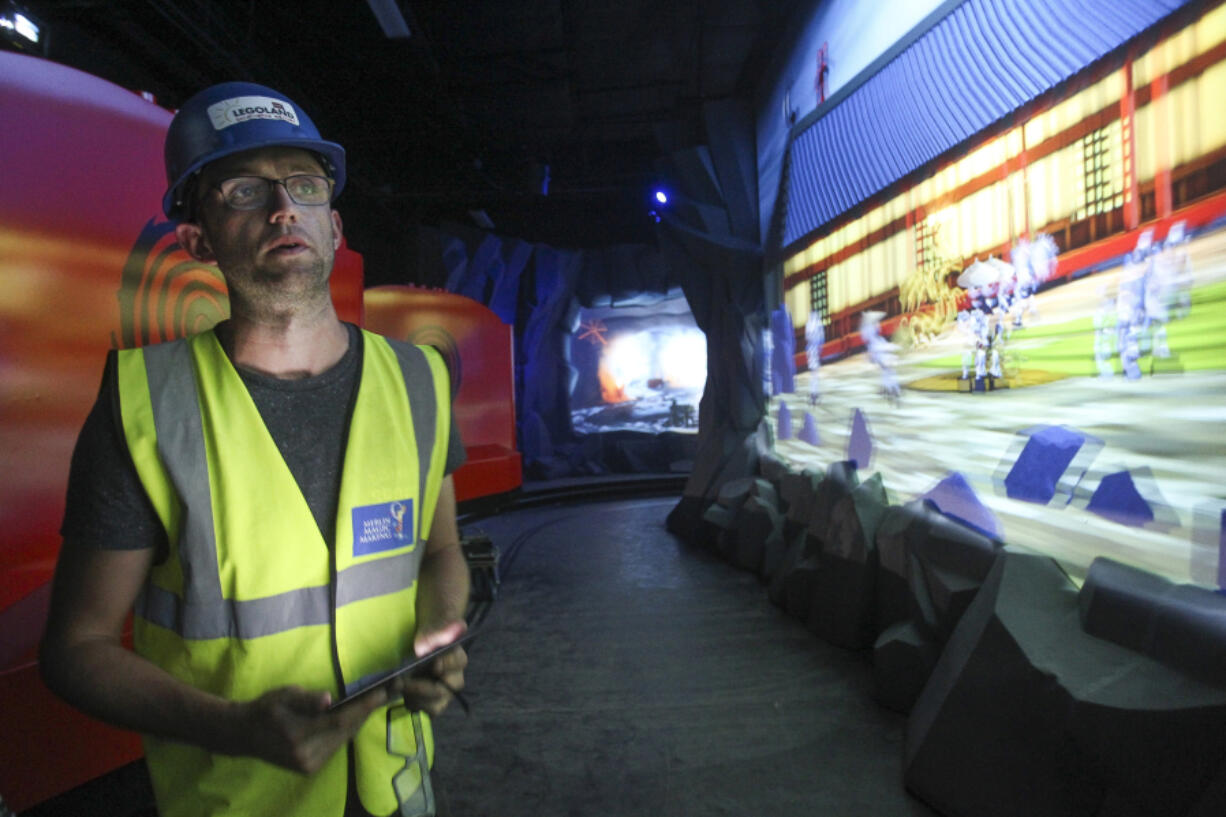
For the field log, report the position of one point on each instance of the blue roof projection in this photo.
(981, 61)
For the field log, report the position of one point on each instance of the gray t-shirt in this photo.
(107, 506)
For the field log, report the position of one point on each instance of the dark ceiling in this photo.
(473, 109)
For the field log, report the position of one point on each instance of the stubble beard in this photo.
(266, 288)
(276, 296)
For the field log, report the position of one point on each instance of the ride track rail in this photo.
(561, 493)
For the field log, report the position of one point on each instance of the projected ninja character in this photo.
(768, 375)
(1130, 306)
(990, 331)
(880, 351)
(815, 336)
(1006, 298)
(1041, 255)
(988, 343)
(1159, 294)
(1002, 303)
(1179, 266)
(1104, 328)
(1026, 258)
(970, 341)
(983, 298)
(979, 300)
(1128, 320)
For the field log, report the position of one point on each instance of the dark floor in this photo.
(623, 673)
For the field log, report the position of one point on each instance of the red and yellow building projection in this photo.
(1138, 140)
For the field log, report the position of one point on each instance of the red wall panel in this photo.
(88, 263)
(478, 348)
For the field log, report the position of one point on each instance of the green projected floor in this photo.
(1197, 342)
(1164, 429)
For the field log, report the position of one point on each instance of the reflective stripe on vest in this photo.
(285, 611)
(180, 442)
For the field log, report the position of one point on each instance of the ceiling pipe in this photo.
(387, 12)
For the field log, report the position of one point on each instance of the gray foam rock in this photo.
(903, 658)
(1026, 714)
(757, 522)
(844, 600)
(798, 493)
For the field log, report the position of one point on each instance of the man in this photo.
(272, 498)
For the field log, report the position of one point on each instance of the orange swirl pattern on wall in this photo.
(164, 293)
(442, 340)
(88, 264)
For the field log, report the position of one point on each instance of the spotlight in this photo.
(661, 197)
(20, 31)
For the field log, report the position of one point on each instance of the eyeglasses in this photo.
(254, 192)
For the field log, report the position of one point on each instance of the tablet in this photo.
(408, 667)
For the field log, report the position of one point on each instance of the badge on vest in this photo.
(385, 526)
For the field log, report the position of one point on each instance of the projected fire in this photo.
(638, 368)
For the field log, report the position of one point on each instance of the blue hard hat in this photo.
(233, 117)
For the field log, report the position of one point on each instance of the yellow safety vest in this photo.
(251, 598)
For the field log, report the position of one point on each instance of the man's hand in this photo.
(292, 726)
(432, 689)
(442, 598)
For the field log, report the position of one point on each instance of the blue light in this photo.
(661, 197)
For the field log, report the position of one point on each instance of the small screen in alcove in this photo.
(637, 368)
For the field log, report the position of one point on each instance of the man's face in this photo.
(280, 249)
